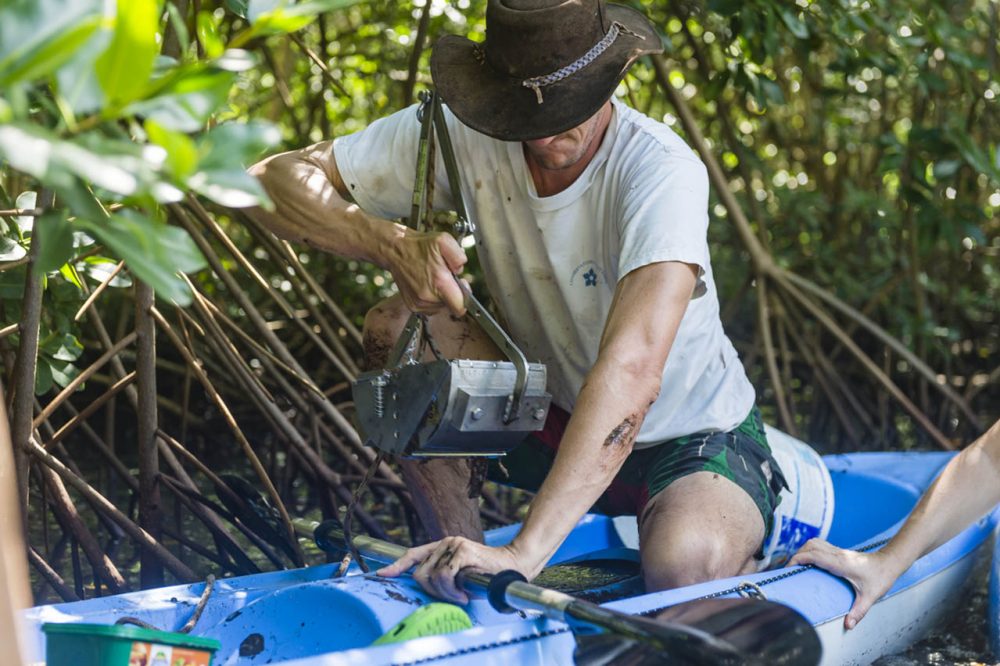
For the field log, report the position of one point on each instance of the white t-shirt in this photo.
(552, 263)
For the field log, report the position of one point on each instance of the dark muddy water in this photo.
(962, 640)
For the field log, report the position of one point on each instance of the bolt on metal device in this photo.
(448, 407)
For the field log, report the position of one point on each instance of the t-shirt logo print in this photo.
(591, 273)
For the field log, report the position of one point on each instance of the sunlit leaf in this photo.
(238, 7)
(114, 165)
(26, 201)
(11, 250)
(182, 155)
(124, 68)
(186, 99)
(153, 251)
(230, 187)
(63, 347)
(100, 269)
(208, 34)
(236, 60)
(273, 17)
(76, 80)
(236, 144)
(63, 373)
(37, 36)
(71, 275)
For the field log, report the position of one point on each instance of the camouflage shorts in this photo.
(741, 455)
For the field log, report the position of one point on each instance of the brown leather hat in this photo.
(545, 67)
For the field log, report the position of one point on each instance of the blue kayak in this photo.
(305, 617)
(993, 623)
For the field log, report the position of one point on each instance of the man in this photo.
(591, 230)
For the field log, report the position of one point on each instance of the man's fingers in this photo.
(436, 574)
(410, 557)
(452, 253)
(452, 295)
(445, 570)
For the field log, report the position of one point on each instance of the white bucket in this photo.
(806, 507)
(805, 510)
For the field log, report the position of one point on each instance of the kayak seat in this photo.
(596, 579)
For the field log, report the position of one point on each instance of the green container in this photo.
(123, 645)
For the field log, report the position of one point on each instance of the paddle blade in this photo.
(766, 631)
(709, 631)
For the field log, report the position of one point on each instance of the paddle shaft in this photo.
(514, 593)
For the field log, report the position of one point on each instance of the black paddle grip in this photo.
(497, 591)
(329, 536)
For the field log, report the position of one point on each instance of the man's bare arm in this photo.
(648, 307)
(647, 311)
(311, 206)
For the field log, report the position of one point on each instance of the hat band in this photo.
(536, 83)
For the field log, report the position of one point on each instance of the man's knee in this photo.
(691, 557)
(383, 324)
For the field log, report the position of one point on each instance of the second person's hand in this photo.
(870, 574)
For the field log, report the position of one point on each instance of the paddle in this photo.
(705, 631)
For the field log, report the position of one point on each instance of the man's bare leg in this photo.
(701, 527)
(439, 486)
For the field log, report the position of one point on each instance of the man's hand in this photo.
(438, 563)
(870, 574)
(424, 266)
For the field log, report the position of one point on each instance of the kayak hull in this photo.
(304, 618)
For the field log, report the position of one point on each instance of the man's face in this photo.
(567, 149)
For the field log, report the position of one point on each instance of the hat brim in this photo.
(500, 107)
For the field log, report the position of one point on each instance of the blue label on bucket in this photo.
(793, 535)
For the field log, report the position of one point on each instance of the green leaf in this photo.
(234, 188)
(76, 81)
(12, 290)
(48, 56)
(179, 27)
(37, 36)
(946, 168)
(61, 348)
(154, 252)
(235, 60)
(56, 235)
(185, 99)
(276, 17)
(794, 23)
(208, 35)
(124, 68)
(63, 373)
(11, 250)
(236, 144)
(25, 201)
(238, 7)
(100, 269)
(182, 155)
(71, 275)
(121, 167)
(43, 377)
